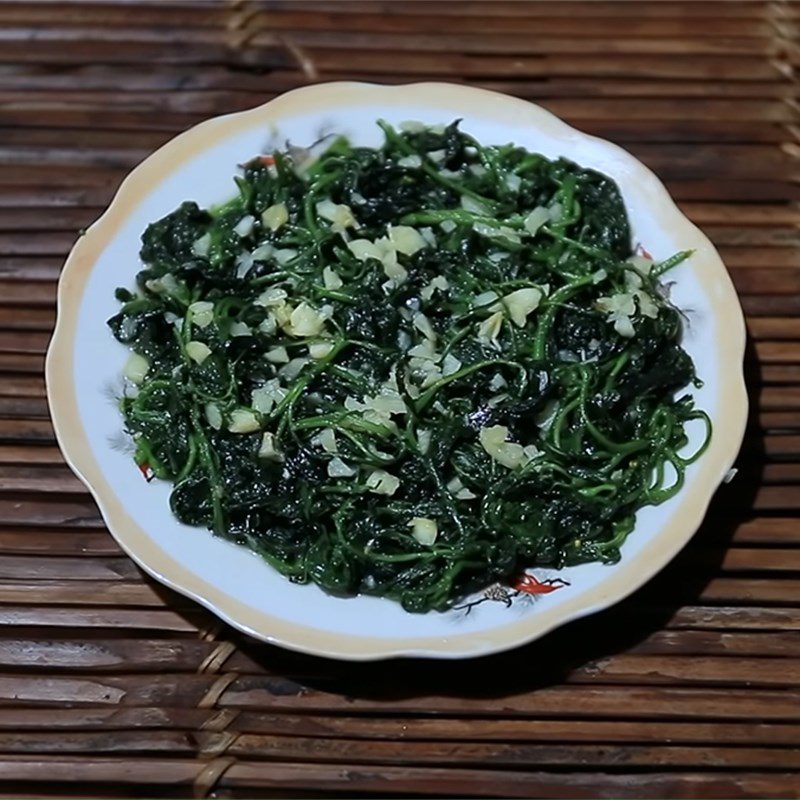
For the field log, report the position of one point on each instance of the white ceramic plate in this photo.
(84, 361)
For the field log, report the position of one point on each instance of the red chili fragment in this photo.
(146, 472)
(531, 585)
(642, 251)
(267, 161)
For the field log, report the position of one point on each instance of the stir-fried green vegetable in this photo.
(408, 371)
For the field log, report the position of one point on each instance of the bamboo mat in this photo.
(111, 685)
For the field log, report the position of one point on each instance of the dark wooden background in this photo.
(111, 685)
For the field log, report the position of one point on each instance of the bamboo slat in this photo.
(111, 685)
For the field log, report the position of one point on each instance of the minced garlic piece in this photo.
(244, 227)
(319, 349)
(326, 439)
(620, 308)
(406, 240)
(305, 321)
(213, 416)
(198, 351)
(263, 398)
(275, 216)
(277, 355)
(136, 368)
(331, 279)
(339, 214)
(520, 303)
(381, 482)
(438, 283)
(494, 441)
(268, 450)
(202, 313)
(536, 219)
(271, 297)
(424, 530)
(243, 420)
(338, 469)
(459, 491)
(489, 329)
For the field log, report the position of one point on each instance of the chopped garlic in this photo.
(291, 370)
(339, 214)
(263, 252)
(489, 329)
(424, 351)
(424, 530)
(326, 439)
(271, 297)
(268, 450)
(485, 300)
(494, 441)
(646, 305)
(198, 351)
(305, 321)
(244, 227)
(633, 280)
(201, 246)
(338, 469)
(243, 420)
(473, 206)
(448, 226)
(406, 240)
(620, 308)
(641, 264)
(535, 220)
(202, 313)
(387, 402)
(428, 235)
(263, 398)
(213, 416)
(285, 255)
(277, 355)
(268, 325)
(410, 161)
(136, 368)
(275, 216)
(491, 232)
(450, 365)
(437, 155)
(319, 349)
(240, 329)
(331, 279)
(166, 284)
(363, 249)
(545, 418)
(529, 452)
(624, 327)
(381, 482)
(424, 440)
(391, 267)
(434, 375)
(497, 382)
(423, 325)
(459, 491)
(555, 212)
(438, 283)
(513, 182)
(521, 303)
